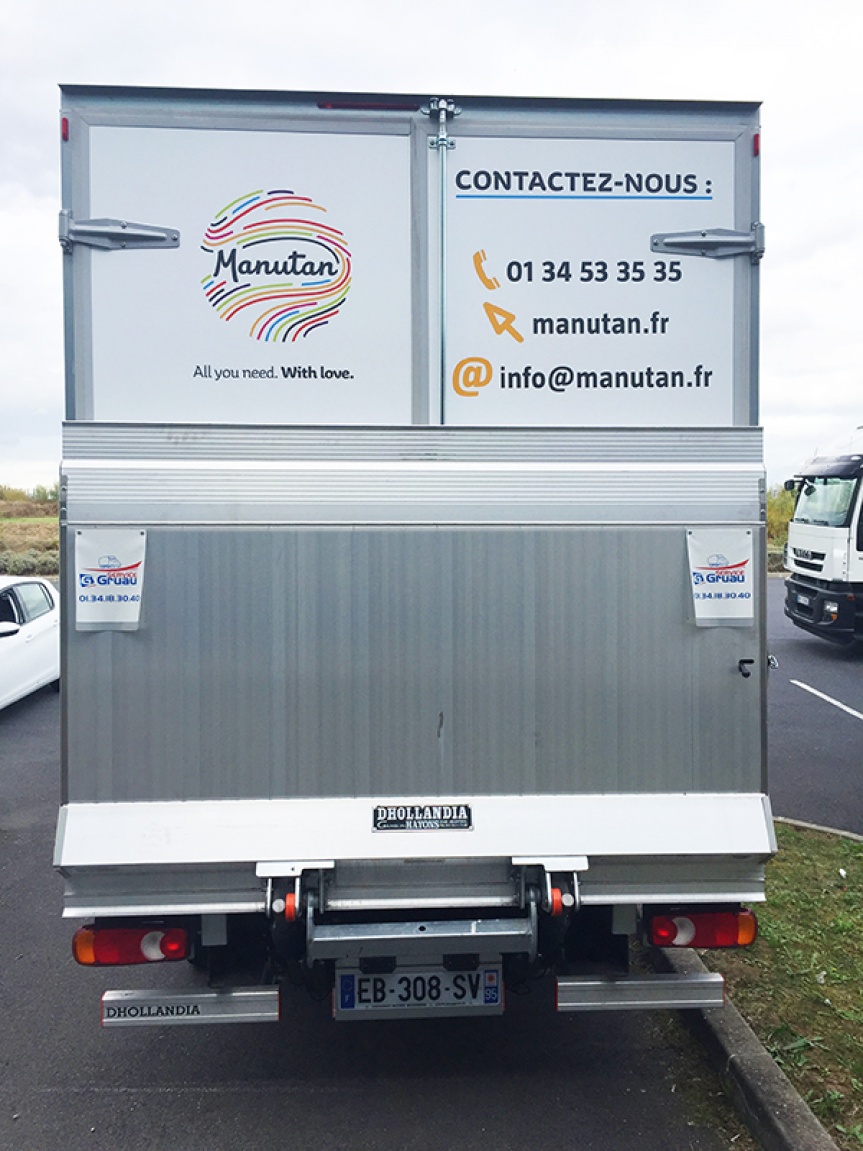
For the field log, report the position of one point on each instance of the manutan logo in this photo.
(276, 265)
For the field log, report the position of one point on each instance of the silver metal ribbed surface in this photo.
(375, 478)
(188, 442)
(424, 661)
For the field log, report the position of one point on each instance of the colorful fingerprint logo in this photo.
(276, 265)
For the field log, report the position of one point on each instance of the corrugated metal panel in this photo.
(372, 661)
(434, 492)
(189, 442)
(128, 474)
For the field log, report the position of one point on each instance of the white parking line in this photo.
(828, 699)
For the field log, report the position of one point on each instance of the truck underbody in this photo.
(413, 935)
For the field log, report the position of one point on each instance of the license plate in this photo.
(418, 991)
(803, 600)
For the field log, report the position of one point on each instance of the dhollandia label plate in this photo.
(423, 817)
(225, 1005)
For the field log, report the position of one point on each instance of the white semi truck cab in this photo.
(824, 592)
(413, 529)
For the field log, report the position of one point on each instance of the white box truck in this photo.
(413, 518)
(824, 555)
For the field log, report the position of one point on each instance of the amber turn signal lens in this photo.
(84, 946)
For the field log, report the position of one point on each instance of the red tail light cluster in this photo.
(120, 946)
(703, 929)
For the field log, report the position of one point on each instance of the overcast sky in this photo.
(802, 60)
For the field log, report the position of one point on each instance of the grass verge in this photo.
(800, 986)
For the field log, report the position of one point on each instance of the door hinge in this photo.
(110, 234)
(714, 243)
(442, 109)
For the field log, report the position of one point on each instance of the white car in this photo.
(29, 636)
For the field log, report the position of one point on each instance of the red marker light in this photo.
(756, 144)
(365, 106)
(64, 129)
(174, 944)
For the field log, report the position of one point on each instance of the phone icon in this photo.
(490, 282)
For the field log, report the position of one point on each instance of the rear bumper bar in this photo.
(804, 606)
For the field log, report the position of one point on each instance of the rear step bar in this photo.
(261, 1004)
(635, 993)
(225, 1005)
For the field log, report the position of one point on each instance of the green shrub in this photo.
(29, 563)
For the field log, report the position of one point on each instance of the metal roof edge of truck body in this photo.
(414, 633)
(398, 102)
